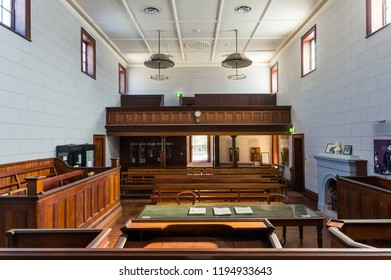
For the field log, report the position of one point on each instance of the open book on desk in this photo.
(197, 211)
(221, 211)
(243, 210)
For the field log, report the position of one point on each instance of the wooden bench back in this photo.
(12, 177)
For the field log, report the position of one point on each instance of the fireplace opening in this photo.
(332, 201)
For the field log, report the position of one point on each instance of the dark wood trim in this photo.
(92, 47)
(369, 17)
(310, 195)
(121, 79)
(202, 254)
(312, 29)
(275, 66)
(21, 26)
(178, 120)
(298, 164)
(99, 153)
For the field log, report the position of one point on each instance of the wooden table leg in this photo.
(319, 229)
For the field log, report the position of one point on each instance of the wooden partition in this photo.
(142, 100)
(58, 238)
(364, 197)
(363, 232)
(86, 203)
(195, 254)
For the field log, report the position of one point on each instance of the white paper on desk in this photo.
(243, 210)
(197, 211)
(221, 211)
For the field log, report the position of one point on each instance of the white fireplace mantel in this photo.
(329, 167)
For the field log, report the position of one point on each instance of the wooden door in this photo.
(100, 150)
(297, 171)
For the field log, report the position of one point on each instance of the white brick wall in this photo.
(348, 92)
(45, 100)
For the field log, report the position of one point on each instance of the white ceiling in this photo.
(188, 23)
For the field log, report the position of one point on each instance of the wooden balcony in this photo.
(213, 120)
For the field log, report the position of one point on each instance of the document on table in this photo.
(197, 211)
(221, 211)
(243, 210)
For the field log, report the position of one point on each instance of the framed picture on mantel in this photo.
(330, 148)
(347, 150)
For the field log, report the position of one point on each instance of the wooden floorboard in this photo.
(131, 208)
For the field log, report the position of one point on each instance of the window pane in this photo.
(6, 4)
(200, 148)
(6, 20)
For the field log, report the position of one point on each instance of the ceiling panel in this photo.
(264, 44)
(201, 10)
(130, 45)
(245, 29)
(262, 31)
(276, 28)
(119, 30)
(194, 30)
(108, 10)
(290, 10)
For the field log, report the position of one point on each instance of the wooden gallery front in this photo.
(156, 136)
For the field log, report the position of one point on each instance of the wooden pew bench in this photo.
(62, 180)
(12, 182)
(210, 188)
(141, 180)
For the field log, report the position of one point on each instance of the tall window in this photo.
(308, 51)
(88, 47)
(378, 15)
(122, 79)
(274, 78)
(15, 15)
(199, 148)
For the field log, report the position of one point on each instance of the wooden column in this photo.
(114, 162)
(163, 153)
(235, 158)
(217, 150)
(34, 185)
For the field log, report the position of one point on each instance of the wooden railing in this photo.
(180, 120)
(86, 203)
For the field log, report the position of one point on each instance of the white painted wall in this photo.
(350, 89)
(197, 80)
(45, 99)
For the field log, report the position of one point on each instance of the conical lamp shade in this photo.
(159, 60)
(236, 60)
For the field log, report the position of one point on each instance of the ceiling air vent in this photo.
(197, 45)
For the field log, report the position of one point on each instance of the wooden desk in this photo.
(277, 214)
(207, 233)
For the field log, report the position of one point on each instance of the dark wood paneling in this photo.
(142, 100)
(79, 204)
(217, 99)
(132, 121)
(359, 200)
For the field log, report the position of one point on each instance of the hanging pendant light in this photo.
(159, 77)
(236, 60)
(237, 76)
(159, 60)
